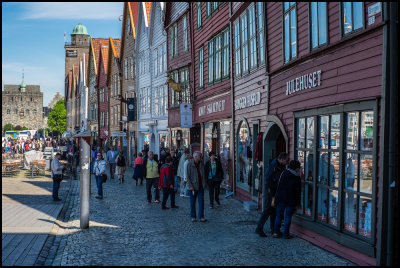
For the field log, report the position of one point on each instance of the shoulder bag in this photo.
(103, 176)
(273, 202)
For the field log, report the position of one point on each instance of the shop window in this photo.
(224, 149)
(352, 17)
(244, 156)
(336, 169)
(290, 31)
(319, 25)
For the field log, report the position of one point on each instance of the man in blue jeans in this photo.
(196, 182)
(56, 172)
(99, 169)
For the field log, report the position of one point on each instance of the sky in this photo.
(33, 39)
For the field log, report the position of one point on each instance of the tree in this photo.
(7, 127)
(58, 118)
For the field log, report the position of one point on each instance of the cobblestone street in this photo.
(125, 230)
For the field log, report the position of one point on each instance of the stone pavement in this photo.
(28, 215)
(125, 230)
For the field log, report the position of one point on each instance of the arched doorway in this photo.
(243, 156)
(274, 143)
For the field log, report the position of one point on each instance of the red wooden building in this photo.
(212, 105)
(321, 97)
(102, 94)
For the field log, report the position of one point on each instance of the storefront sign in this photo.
(303, 82)
(248, 101)
(186, 115)
(374, 9)
(211, 108)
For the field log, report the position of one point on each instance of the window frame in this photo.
(198, 15)
(185, 33)
(341, 19)
(343, 110)
(310, 44)
(201, 68)
(290, 9)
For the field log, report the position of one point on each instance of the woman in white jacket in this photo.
(99, 169)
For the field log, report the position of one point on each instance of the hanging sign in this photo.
(131, 109)
(303, 82)
(186, 115)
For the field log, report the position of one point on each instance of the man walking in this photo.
(196, 183)
(56, 172)
(152, 174)
(110, 159)
(272, 174)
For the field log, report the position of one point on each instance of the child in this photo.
(167, 182)
(138, 169)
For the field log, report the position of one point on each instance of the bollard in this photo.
(84, 183)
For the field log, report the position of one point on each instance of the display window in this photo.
(342, 173)
(224, 150)
(244, 160)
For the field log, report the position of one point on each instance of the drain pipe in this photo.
(233, 138)
(393, 118)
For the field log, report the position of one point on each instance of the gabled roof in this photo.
(155, 7)
(95, 45)
(133, 14)
(146, 12)
(116, 47)
(104, 55)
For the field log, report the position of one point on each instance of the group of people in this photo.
(188, 175)
(172, 173)
(20, 146)
(281, 196)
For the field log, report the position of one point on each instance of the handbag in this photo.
(273, 202)
(104, 177)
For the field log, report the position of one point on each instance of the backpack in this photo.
(121, 161)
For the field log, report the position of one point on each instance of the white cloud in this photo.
(72, 10)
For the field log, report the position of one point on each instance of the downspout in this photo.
(192, 65)
(233, 139)
(393, 119)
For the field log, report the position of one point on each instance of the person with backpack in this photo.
(272, 174)
(214, 174)
(288, 195)
(138, 172)
(166, 183)
(110, 159)
(121, 166)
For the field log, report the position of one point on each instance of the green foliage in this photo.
(7, 127)
(58, 118)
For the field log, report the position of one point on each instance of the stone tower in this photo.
(77, 47)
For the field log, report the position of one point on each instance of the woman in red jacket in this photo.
(166, 182)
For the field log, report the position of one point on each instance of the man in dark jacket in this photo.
(288, 196)
(214, 174)
(272, 174)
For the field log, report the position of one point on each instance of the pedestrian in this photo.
(56, 172)
(271, 177)
(121, 166)
(163, 156)
(138, 172)
(166, 183)
(144, 153)
(181, 173)
(175, 165)
(196, 183)
(110, 160)
(213, 171)
(287, 198)
(152, 174)
(93, 158)
(99, 169)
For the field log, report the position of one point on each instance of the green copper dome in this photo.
(80, 29)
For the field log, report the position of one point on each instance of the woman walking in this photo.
(99, 170)
(214, 173)
(121, 166)
(138, 172)
(287, 198)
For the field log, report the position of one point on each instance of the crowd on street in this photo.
(190, 175)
